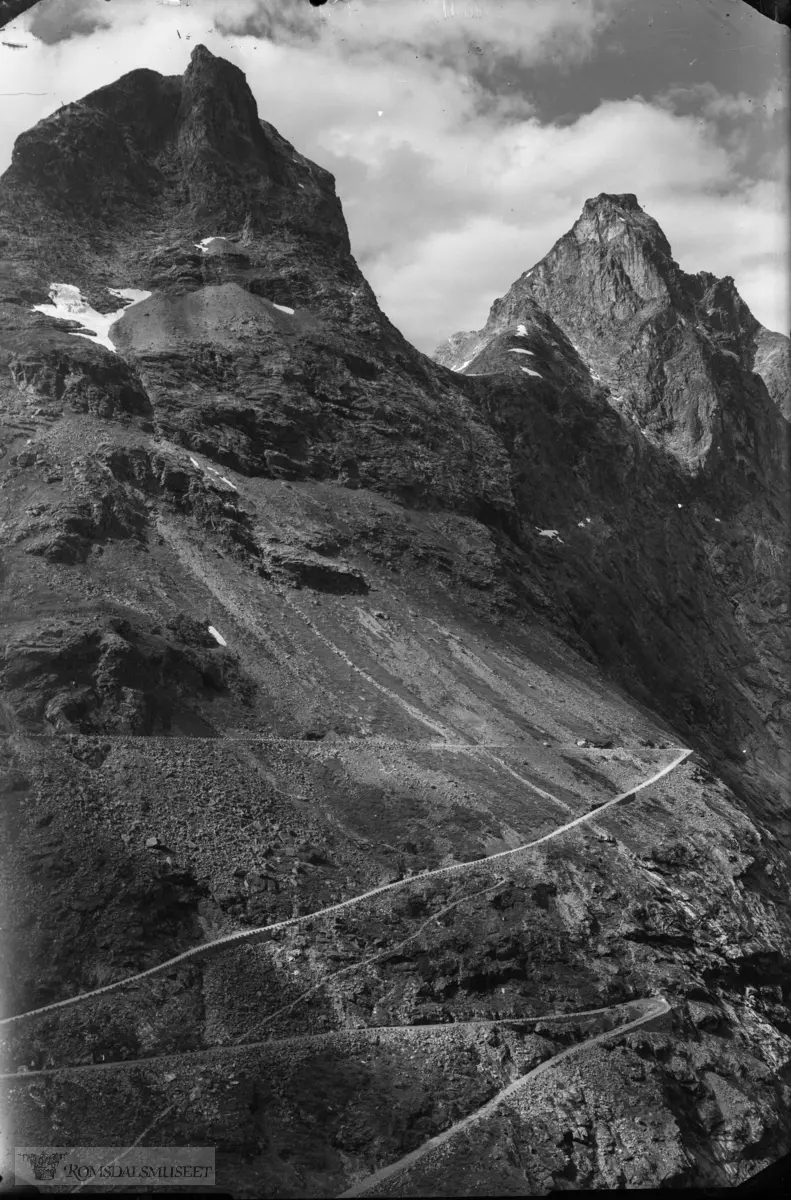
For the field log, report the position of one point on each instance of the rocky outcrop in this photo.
(117, 678)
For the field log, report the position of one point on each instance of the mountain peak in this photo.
(152, 150)
(647, 330)
(610, 218)
(207, 71)
(626, 200)
(229, 162)
(202, 53)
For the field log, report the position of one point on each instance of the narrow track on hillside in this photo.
(317, 1039)
(263, 933)
(651, 1007)
(359, 966)
(655, 1006)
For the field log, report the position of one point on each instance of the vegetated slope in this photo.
(280, 626)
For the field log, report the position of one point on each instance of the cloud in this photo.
(57, 20)
(441, 235)
(457, 187)
(525, 30)
(706, 99)
(742, 233)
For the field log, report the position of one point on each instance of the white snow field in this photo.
(204, 244)
(68, 304)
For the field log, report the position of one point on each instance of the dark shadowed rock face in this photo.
(193, 145)
(288, 610)
(120, 189)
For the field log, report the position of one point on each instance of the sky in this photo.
(466, 135)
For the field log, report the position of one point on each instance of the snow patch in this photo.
(217, 636)
(550, 533)
(194, 463)
(527, 371)
(69, 305)
(214, 471)
(681, 506)
(518, 350)
(463, 365)
(521, 331)
(203, 245)
(717, 519)
(283, 308)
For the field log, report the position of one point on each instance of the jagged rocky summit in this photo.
(676, 352)
(290, 610)
(260, 327)
(650, 404)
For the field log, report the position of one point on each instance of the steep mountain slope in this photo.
(177, 188)
(646, 414)
(670, 345)
(280, 628)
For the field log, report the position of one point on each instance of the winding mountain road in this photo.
(655, 1006)
(318, 1039)
(263, 933)
(648, 1009)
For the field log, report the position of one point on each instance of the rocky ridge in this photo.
(666, 404)
(291, 610)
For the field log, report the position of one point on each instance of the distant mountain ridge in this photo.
(665, 343)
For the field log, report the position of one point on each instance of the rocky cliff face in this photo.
(646, 411)
(290, 610)
(260, 328)
(678, 352)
